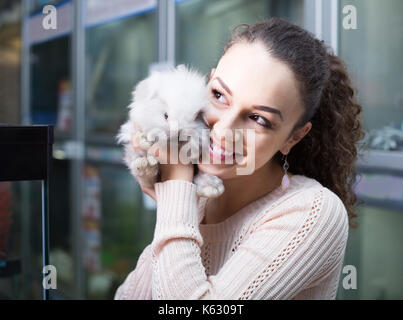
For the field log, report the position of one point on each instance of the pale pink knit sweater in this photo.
(284, 245)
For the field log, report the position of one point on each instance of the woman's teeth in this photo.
(218, 152)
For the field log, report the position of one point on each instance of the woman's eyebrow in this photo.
(270, 109)
(263, 108)
(224, 85)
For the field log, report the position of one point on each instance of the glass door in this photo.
(116, 227)
(202, 27)
(373, 52)
(50, 68)
(119, 48)
(20, 241)
(51, 102)
(121, 43)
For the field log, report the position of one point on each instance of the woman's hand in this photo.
(177, 171)
(168, 171)
(148, 191)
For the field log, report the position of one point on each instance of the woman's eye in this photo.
(217, 95)
(261, 121)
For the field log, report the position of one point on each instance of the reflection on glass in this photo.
(203, 27)
(118, 55)
(51, 100)
(116, 228)
(50, 64)
(375, 251)
(60, 230)
(373, 53)
(20, 243)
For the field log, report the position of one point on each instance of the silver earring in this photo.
(285, 183)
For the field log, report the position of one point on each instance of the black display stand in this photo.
(26, 154)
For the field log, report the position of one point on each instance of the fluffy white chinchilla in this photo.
(165, 105)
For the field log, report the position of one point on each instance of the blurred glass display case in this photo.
(373, 53)
(113, 225)
(374, 249)
(120, 45)
(20, 241)
(51, 101)
(118, 53)
(21, 234)
(49, 58)
(48, 96)
(203, 26)
(116, 227)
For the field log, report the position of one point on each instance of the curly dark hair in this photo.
(328, 153)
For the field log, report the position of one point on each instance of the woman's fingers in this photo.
(139, 143)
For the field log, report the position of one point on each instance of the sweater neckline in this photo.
(226, 227)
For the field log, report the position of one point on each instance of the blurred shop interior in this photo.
(79, 77)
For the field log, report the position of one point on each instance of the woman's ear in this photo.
(296, 137)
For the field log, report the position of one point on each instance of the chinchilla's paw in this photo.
(210, 191)
(208, 186)
(144, 166)
(141, 140)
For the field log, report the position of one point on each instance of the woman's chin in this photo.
(223, 171)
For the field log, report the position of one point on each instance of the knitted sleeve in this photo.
(289, 248)
(137, 285)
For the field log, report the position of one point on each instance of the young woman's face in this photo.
(249, 89)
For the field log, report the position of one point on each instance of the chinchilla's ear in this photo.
(144, 90)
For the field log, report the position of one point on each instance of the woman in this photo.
(263, 238)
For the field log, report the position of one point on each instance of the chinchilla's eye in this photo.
(166, 115)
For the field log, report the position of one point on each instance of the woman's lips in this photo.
(218, 152)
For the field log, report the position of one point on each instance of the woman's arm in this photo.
(137, 285)
(292, 247)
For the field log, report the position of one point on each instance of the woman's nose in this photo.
(224, 127)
